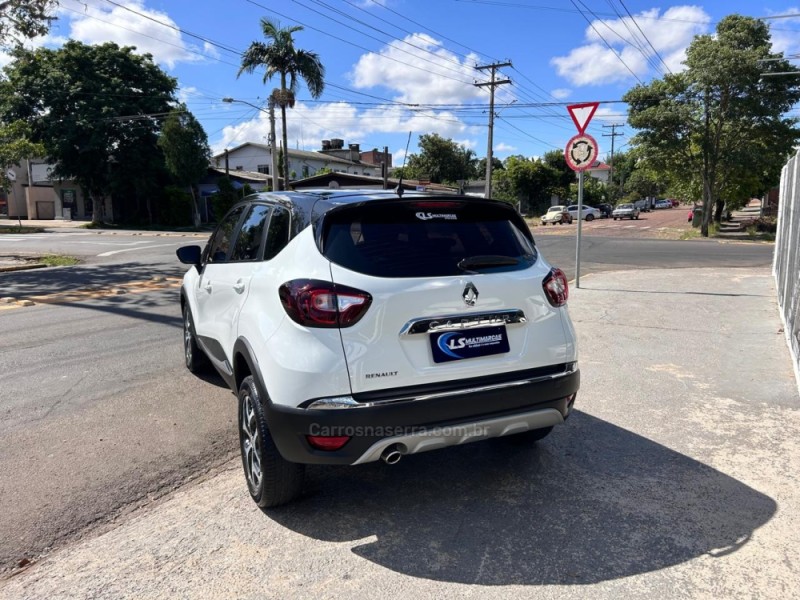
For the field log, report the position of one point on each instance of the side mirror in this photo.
(190, 255)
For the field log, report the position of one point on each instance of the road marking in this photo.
(629, 227)
(648, 227)
(113, 252)
(114, 243)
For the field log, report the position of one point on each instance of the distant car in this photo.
(675, 202)
(605, 210)
(557, 214)
(663, 204)
(625, 211)
(643, 205)
(589, 212)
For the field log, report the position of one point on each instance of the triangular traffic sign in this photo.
(582, 113)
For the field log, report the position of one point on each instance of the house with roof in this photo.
(600, 171)
(36, 194)
(257, 158)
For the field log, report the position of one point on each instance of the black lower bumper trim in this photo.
(289, 426)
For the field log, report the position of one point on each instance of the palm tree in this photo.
(279, 56)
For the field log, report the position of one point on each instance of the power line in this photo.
(605, 41)
(644, 36)
(491, 84)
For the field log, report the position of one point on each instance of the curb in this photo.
(12, 268)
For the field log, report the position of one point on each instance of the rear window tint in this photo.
(404, 240)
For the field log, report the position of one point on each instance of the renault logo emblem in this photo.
(470, 294)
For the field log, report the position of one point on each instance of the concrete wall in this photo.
(45, 198)
(786, 265)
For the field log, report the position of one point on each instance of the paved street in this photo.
(97, 410)
(674, 478)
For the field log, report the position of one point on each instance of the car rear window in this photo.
(427, 239)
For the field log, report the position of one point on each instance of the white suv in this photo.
(360, 325)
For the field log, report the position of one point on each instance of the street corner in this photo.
(17, 262)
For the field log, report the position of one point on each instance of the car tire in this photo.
(615, 218)
(271, 479)
(589, 218)
(194, 357)
(636, 217)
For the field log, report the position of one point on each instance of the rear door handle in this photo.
(238, 287)
(208, 286)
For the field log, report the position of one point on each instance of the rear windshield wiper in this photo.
(487, 261)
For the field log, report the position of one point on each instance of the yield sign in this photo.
(581, 114)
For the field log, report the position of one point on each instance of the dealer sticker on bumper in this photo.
(457, 345)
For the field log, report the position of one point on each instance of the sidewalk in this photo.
(676, 477)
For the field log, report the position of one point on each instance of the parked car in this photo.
(643, 205)
(589, 213)
(557, 214)
(626, 211)
(605, 210)
(675, 202)
(356, 326)
(663, 204)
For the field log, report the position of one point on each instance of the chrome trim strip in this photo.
(462, 321)
(347, 402)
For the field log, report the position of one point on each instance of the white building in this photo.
(258, 158)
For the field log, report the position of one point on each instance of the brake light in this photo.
(328, 442)
(556, 288)
(316, 303)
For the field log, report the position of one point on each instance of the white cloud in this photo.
(309, 124)
(503, 147)
(610, 114)
(670, 33)
(418, 69)
(108, 23)
(561, 93)
(787, 42)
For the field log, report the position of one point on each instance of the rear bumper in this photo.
(424, 418)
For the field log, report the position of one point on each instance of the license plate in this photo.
(470, 343)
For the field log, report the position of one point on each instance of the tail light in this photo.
(316, 303)
(556, 288)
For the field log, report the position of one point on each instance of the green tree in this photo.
(527, 182)
(225, 197)
(280, 57)
(441, 159)
(719, 125)
(15, 146)
(480, 169)
(564, 175)
(24, 19)
(94, 108)
(185, 146)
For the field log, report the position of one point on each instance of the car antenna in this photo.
(399, 188)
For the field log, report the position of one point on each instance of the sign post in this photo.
(580, 154)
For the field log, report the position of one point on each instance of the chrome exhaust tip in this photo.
(391, 455)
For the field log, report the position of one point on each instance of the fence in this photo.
(786, 264)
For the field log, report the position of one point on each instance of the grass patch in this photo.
(58, 260)
(15, 229)
(755, 234)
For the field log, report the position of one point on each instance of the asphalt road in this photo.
(96, 409)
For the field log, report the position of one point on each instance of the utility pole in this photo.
(385, 170)
(612, 135)
(273, 155)
(491, 84)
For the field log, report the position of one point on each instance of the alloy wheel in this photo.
(251, 443)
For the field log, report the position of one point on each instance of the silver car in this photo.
(625, 211)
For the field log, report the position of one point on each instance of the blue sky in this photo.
(395, 66)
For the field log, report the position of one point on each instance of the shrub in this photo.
(175, 208)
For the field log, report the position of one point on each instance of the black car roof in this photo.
(309, 206)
